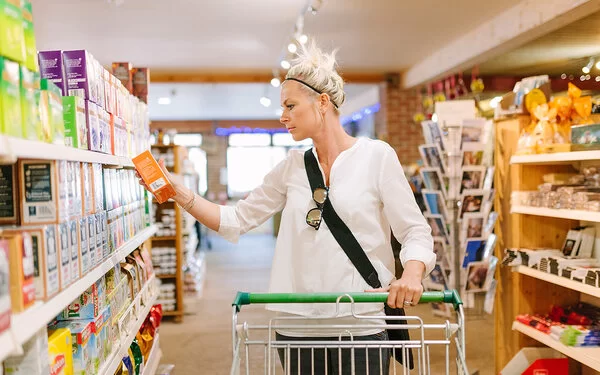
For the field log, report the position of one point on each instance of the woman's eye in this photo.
(290, 106)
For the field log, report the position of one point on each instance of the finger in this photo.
(408, 297)
(378, 290)
(391, 301)
(417, 295)
(161, 164)
(400, 297)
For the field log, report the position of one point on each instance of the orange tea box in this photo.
(21, 262)
(153, 176)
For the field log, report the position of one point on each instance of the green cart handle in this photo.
(242, 298)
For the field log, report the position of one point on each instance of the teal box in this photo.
(75, 122)
(10, 99)
(12, 37)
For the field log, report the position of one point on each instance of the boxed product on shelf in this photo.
(93, 125)
(9, 201)
(102, 219)
(30, 112)
(98, 187)
(10, 97)
(51, 109)
(74, 245)
(62, 167)
(84, 248)
(60, 356)
(139, 273)
(88, 305)
(141, 82)
(103, 346)
(75, 122)
(52, 68)
(99, 237)
(38, 186)
(132, 279)
(29, 37)
(585, 137)
(12, 37)
(74, 195)
(5, 287)
(64, 255)
(124, 72)
(82, 342)
(80, 69)
(21, 262)
(35, 358)
(91, 224)
(153, 176)
(86, 190)
(115, 229)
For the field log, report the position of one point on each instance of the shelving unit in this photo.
(587, 356)
(12, 149)
(27, 323)
(153, 358)
(528, 290)
(178, 239)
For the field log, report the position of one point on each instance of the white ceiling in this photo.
(223, 101)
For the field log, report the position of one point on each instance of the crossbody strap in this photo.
(338, 228)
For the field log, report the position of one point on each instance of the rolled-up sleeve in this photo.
(262, 203)
(403, 214)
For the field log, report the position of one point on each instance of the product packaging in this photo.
(38, 186)
(52, 68)
(76, 133)
(141, 82)
(60, 356)
(74, 193)
(51, 106)
(82, 342)
(74, 245)
(106, 251)
(30, 112)
(12, 38)
(91, 224)
(21, 261)
(86, 190)
(29, 37)
(62, 167)
(99, 237)
(87, 306)
(64, 254)
(153, 176)
(98, 187)
(81, 76)
(45, 251)
(5, 288)
(10, 96)
(124, 72)
(93, 125)
(34, 360)
(9, 196)
(84, 249)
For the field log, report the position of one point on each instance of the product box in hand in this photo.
(10, 97)
(60, 355)
(12, 38)
(5, 287)
(51, 107)
(76, 134)
(9, 196)
(82, 342)
(22, 269)
(153, 176)
(85, 263)
(80, 68)
(35, 359)
(29, 36)
(38, 187)
(52, 68)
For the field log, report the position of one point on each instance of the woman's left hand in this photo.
(408, 289)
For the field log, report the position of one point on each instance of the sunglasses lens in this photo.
(313, 218)
(320, 195)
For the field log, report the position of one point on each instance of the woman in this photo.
(368, 190)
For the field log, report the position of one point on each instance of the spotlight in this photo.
(563, 76)
(585, 69)
(265, 101)
(588, 68)
(275, 82)
(285, 64)
(303, 39)
(598, 65)
(292, 48)
(164, 101)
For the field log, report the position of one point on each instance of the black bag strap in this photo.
(338, 228)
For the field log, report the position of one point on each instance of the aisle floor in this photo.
(202, 343)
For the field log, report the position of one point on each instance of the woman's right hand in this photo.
(175, 180)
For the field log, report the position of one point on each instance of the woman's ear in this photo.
(323, 102)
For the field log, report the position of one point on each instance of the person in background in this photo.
(368, 190)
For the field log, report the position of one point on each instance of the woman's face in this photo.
(300, 114)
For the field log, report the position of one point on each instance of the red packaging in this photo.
(548, 366)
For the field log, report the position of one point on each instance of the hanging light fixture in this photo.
(275, 82)
(285, 64)
(292, 48)
(588, 68)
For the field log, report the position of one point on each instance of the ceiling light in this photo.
(303, 39)
(279, 112)
(265, 101)
(495, 101)
(292, 48)
(586, 69)
(563, 76)
(598, 65)
(598, 79)
(285, 64)
(164, 101)
(275, 82)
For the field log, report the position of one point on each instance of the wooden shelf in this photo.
(164, 238)
(561, 214)
(556, 158)
(173, 313)
(587, 356)
(166, 276)
(561, 281)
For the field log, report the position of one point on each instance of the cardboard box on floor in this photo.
(530, 360)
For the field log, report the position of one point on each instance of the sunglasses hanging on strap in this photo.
(348, 243)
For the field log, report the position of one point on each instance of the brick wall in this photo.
(398, 107)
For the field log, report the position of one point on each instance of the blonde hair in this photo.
(317, 69)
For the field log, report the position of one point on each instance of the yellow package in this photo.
(60, 353)
(574, 91)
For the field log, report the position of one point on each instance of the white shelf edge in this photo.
(586, 355)
(17, 148)
(558, 213)
(113, 361)
(27, 323)
(558, 280)
(153, 358)
(558, 157)
(8, 344)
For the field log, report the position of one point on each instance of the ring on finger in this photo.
(408, 303)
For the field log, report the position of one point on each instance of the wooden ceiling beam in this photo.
(256, 76)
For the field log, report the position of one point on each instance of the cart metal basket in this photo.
(258, 349)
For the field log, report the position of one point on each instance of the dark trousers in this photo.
(327, 361)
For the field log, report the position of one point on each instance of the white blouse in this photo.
(370, 193)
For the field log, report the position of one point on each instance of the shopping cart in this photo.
(251, 341)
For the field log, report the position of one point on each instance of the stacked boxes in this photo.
(10, 98)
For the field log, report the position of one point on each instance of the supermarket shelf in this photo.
(587, 356)
(114, 360)
(166, 276)
(172, 313)
(12, 148)
(8, 345)
(27, 323)
(153, 358)
(164, 238)
(556, 158)
(562, 213)
(561, 281)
